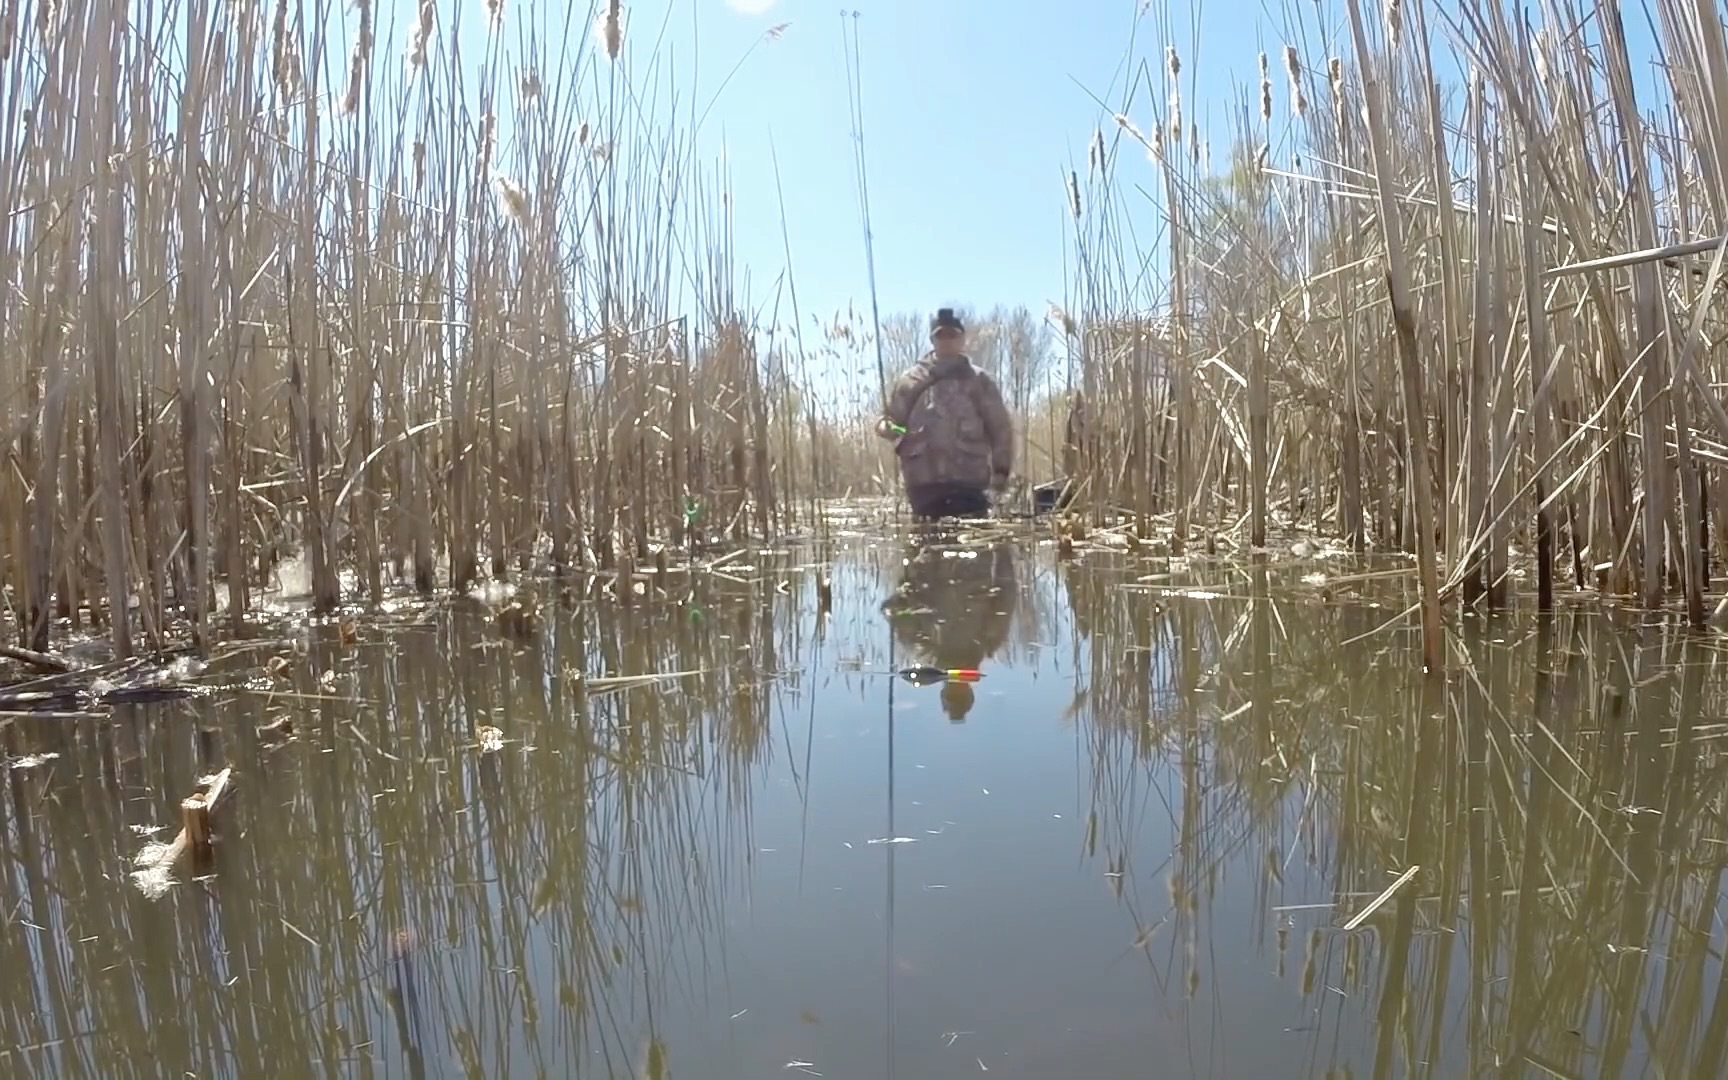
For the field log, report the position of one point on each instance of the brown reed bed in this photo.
(1474, 323)
(418, 311)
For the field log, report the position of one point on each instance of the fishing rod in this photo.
(855, 100)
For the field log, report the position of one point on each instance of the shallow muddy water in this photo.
(1132, 849)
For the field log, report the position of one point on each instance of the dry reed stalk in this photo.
(1531, 205)
(1654, 406)
(1177, 434)
(1552, 309)
(1410, 363)
(1474, 510)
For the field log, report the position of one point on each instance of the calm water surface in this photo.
(1130, 850)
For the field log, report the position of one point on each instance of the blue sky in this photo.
(973, 110)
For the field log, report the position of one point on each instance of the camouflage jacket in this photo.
(957, 426)
(955, 613)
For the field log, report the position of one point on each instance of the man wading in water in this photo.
(950, 428)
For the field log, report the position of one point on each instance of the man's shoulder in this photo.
(919, 369)
(982, 377)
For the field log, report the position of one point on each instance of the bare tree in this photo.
(1023, 354)
(905, 338)
(1011, 343)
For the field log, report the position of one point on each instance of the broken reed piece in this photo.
(57, 665)
(195, 819)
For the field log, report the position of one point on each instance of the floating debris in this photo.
(618, 682)
(153, 871)
(1375, 904)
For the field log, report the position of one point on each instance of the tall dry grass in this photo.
(429, 309)
(1475, 322)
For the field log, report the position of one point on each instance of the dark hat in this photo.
(957, 699)
(945, 319)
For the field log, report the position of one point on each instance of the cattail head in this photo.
(1293, 66)
(1173, 62)
(48, 21)
(1095, 154)
(582, 134)
(1127, 125)
(611, 28)
(422, 35)
(357, 62)
(494, 10)
(530, 85)
(1073, 195)
(512, 199)
(284, 60)
(485, 148)
(1265, 91)
(1335, 75)
(8, 32)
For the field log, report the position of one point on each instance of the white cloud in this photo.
(751, 7)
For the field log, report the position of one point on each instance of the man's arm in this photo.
(999, 426)
(898, 409)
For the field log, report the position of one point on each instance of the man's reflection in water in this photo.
(954, 608)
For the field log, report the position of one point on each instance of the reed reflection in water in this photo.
(1172, 788)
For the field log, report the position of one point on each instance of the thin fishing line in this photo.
(892, 849)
